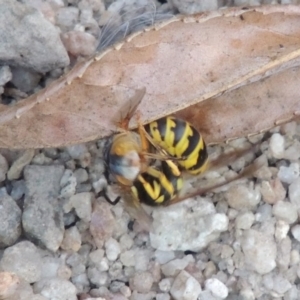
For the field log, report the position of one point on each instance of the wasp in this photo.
(177, 146)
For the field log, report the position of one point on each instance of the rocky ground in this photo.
(59, 241)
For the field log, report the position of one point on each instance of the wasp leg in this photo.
(103, 193)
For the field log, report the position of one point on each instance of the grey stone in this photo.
(10, 220)
(28, 40)
(25, 80)
(5, 75)
(24, 260)
(43, 217)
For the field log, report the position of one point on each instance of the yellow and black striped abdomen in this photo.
(157, 186)
(181, 140)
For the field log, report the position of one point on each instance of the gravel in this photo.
(60, 240)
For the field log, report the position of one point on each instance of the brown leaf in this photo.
(248, 110)
(180, 63)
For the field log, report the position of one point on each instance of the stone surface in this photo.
(55, 288)
(28, 40)
(285, 211)
(24, 260)
(18, 165)
(217, 288)
(185, 287)
(43, 217)
(5, 75)
(191, 229)
(260, 251)
(194, 7)
(10, 220)
(9, 283)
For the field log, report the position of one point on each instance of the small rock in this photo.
(245, 220)
(79, 43)
(284, 248)
(281, 284)
(217, 288)
(56, 288)
(165, 284)
(25, 80)
(241, 197)
(186, 7)
(294, 193)
(296, 232)
(164, 256)
(198, 226)
(127, 258)
(277, 145)
(67, 17)
(141, 282)
(5, 75)
(102, 223)
(9, 283)
(18, 165)
(112, 248)
(81, 175)
(72, 239)
(285, 211)
(292, 152)
(260, 251)
(126, 241)
(173, 267)
(42, 217)
(272, 191)
(10, 220)
(185, 287)
(24, 260)
(77, 151)
(68, 183)
(20, 26)
(282, 229)
(289, 174)
(82, 202)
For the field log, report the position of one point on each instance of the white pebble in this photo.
(112, 248)
(296, 232)
(281, 230)
(185, 287)
(272, 191)
(127, 258)
(165, 284)
(244, 220)
(285, 211)
(241, 197)
(72, 239)
(82, 202)
(126, 241)
(163, 296)
(77, 151)
(141, 282)
(260, 251)
(289, 174)
(125, 291)
(173, 267)
(295, 257)
(294, 193)
(277, 145)
(164, 256)
(216, 287)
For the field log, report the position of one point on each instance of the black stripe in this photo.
(178, 130)
(162, 127)
(202, 157)
(194, 140)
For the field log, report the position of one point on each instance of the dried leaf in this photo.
(248, 110)
(180, 63)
